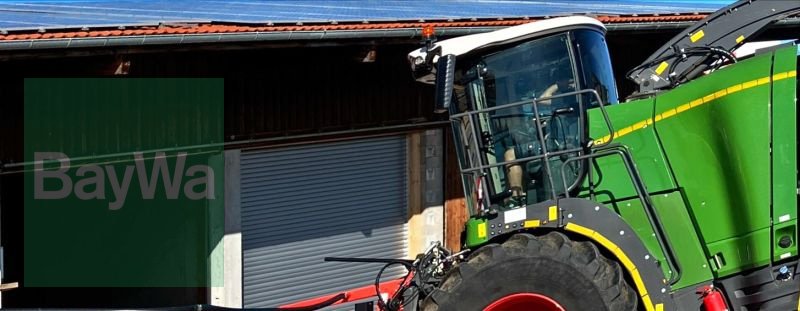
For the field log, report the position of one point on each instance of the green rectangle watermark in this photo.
(124, 182)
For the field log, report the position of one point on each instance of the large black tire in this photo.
(574, 274)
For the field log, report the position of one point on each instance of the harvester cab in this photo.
(517, 98)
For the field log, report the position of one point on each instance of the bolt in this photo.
(663, 290)
(621, 232)
(597, 208)
(646, 257)
(569, 215)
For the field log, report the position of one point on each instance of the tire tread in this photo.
(584, 256)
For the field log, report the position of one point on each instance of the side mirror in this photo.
(445, 75)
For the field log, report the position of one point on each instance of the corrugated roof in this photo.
(35, 14)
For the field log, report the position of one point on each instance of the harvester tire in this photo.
(574, 274)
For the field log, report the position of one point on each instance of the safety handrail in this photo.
(641, 192)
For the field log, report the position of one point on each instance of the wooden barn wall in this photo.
(288, 92)
(270, 93)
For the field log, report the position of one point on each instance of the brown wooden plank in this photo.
(8, 286)
(455, 210)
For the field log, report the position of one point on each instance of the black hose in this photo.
(684, 52)
(388, 305)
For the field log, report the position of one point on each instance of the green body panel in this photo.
(740, 253)
(784, 153)
(612, 181)
(719, 151)
(680, 231)
(473, 238)
(720, 154)
(631, 210)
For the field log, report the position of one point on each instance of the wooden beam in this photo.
(455, 209)
(8, 286)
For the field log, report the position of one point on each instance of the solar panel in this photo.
(34, 14)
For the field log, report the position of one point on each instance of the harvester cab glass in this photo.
(519, 115)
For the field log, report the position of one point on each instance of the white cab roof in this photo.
(462, 45)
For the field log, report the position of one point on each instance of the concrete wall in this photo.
(230, 293)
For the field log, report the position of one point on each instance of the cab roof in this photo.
(466, 44)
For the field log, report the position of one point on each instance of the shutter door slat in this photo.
(301, 204)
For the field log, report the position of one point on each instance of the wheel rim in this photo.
(524, 301)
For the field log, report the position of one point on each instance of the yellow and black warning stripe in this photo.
(623, 258)
(696, 103)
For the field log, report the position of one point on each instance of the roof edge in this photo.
(228, 33)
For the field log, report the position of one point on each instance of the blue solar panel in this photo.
(34, 14)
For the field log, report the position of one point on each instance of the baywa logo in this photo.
(123, 182)
(88, 181)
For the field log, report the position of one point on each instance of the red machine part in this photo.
(524, 301)
(712, 299)
(387, 289)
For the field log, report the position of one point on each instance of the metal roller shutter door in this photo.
(301, 204)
